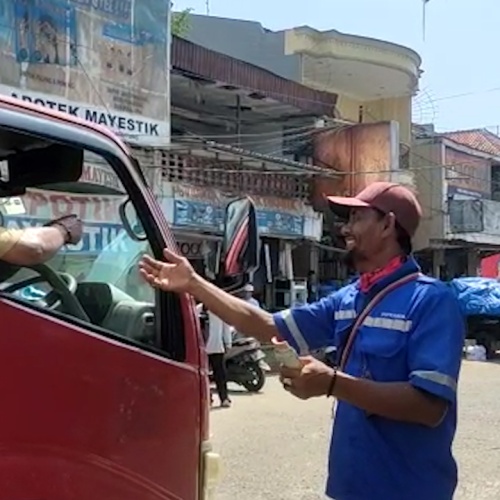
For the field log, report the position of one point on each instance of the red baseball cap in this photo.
(386, 197)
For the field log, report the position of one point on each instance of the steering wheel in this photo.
(63, 290)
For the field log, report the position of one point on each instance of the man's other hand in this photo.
(71, 227)
(313, 380)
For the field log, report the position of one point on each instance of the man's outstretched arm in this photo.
(233, 311)
(177, 275)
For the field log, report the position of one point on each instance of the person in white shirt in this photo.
(219, 340)
(247, 295)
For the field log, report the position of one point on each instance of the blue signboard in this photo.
(279, 223)
(197, 214)
(208, 217)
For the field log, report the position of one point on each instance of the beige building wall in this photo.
(374, 80)
(382, 110)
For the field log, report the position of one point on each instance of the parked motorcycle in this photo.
(245, 363)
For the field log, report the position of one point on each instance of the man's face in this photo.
(365, 234)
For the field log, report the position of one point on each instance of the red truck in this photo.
(103, 379)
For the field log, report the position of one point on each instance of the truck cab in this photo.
(104, 380)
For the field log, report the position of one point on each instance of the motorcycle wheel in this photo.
(256, 383)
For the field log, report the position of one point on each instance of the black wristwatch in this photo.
(66, 232)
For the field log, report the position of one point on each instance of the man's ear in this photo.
(390, 222)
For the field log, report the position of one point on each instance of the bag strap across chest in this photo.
(367, 310)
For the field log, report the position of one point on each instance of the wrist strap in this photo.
(333, 380)
(66, 232)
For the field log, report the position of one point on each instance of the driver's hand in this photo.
(71, 226)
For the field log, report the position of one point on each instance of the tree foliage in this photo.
(180, 22)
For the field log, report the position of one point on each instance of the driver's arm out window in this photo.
(101, 271)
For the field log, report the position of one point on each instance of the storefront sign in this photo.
(194, 250)
(198, 208)
(280, 223)
(100, 175)
(100, 216)
(47, 205)
(209, 217)
(203, 209)
(133, 128)
(96, 236)
(201, 215)
(104, 61)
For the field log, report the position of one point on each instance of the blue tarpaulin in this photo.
(477, 296)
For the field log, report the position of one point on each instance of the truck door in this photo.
(99, 375)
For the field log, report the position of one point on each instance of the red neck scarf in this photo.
(367, 280)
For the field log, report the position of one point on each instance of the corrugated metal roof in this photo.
(200, 61)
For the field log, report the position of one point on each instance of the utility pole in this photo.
(424, 8)
(207, 6)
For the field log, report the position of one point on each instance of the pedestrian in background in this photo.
(218, 342)
(312, 287)
(247, 295)
(399, 337)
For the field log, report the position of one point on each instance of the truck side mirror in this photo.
(240, 247)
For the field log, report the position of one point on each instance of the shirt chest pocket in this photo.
(383, 341)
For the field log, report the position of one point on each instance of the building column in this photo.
(473, 262)
(438, 258)
(314, 258)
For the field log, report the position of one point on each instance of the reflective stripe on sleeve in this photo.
(291, 324)
(437, 378)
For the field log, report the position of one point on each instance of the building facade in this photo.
(374, 79)
(238, 129)
(457, 177)
(374, 82)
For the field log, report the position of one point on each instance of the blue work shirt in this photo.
(416, 335)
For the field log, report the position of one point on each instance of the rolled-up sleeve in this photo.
(436, 344)
(309, 327)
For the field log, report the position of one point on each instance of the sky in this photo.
(460, 87)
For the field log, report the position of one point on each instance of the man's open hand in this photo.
(174, 275)
(313, 380)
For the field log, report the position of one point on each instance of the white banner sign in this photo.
(132, 128)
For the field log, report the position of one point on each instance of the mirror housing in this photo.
(130, 221)
(240, 247)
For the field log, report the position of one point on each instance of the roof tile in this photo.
(479, 139)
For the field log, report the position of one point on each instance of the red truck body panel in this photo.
(87, 417)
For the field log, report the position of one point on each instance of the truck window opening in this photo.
(104, 264)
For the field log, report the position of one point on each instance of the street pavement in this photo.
(275, 446)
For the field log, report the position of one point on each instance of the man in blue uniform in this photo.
(399, 337)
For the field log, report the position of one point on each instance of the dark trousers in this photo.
(219, 371)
